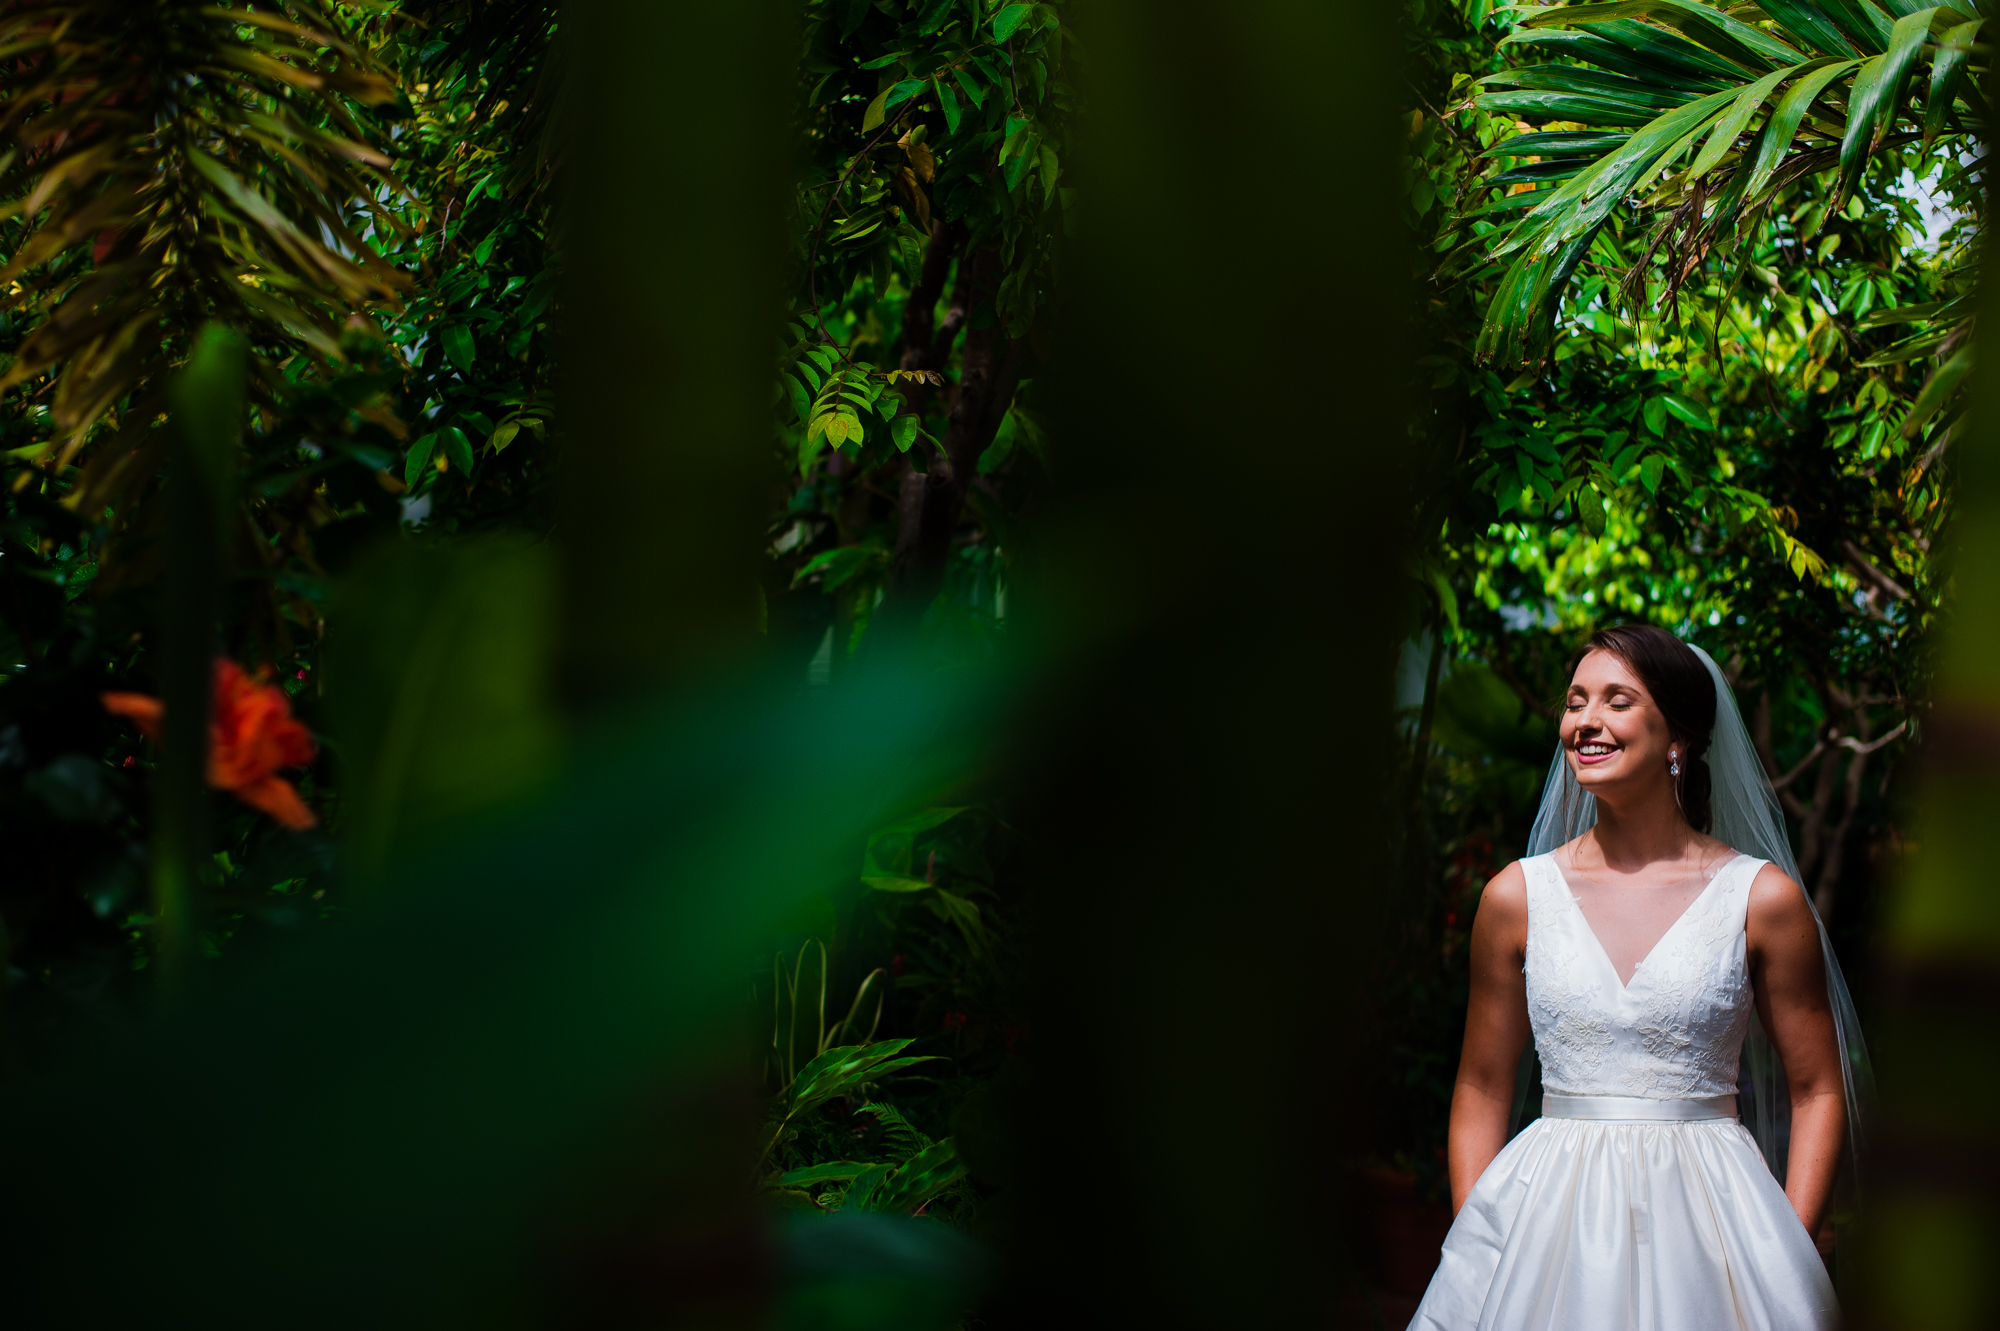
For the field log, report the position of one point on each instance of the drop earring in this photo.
(1673, 763)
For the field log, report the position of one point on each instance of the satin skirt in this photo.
(1580, 1225)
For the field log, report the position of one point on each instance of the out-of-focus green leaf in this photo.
(1683, 409)
(458, 448)
(1009, 19)
(418, 458)
(1651, 470)
(877, 111)
(458, 347)
(837, 1171)
(917, 1180)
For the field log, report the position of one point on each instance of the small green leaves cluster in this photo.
(894, 1186)
(837, 401)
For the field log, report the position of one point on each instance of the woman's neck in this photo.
(1633, 834)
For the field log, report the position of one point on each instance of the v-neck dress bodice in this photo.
(1637, 1202)
(1675, 1030)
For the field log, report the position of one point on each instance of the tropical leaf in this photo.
(177, 163)
(1829, 93)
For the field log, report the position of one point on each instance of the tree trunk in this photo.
(933, 499)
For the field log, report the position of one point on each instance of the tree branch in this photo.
(1870, 573)
(1778, 783)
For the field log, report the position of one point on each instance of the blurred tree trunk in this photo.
(1207, 797)
(1933, 1223)
(663, 493)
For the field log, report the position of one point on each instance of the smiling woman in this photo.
(1636, 953)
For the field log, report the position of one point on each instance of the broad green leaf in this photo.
(1589, 83)
(843, 563)
(1655, 415)
(1663, 48)
(1954, 54)
(948, 103)
(861, 1195)
(903, 432)
(458, 448)
(919, 1179)
(1863, 22)
(1008, 19)
(836, 1171)
(1723, 137)
(1595, 48)
(1878, 89)
(878, 111)
(1024, 162)
(903, 92)
(1590, 508)
(801, 400)
(1684, 409)
(1559, 230)
(1785, 120)
(1938, 390)
(1752, 48)
(1446, 597)
(1582, 110)
(884, 61)
(973, 92)
(1051, 169)
(1651, 470)
(846, 1066)
(934, 16)
(1559, 143)
(1809, 26)
(1532, 173)
(962, 912)
(890, 883)
(503, 435)
(888, 852)
(418, 458)
(457, 341)
(1533, 441)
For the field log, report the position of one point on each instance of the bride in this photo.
(1635, 950)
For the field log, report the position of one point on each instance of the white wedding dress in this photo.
(1637, 1202)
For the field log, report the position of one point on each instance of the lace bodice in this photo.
(1676, 1030)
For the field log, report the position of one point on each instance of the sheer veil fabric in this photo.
(1749, 819)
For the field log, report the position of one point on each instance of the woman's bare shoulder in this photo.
(1506, 895)
(1777, 900)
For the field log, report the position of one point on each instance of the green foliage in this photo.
(207, 163)
(862, 1126)
(929, 220)
(1737, 426)
(362, 193)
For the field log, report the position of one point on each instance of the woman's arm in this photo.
(1496, 1030)
(1790, 978)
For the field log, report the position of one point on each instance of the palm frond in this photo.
(173, 163)
(1715, 113)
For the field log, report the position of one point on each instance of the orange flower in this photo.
(251, 734)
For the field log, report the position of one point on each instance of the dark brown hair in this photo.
(1684, 692)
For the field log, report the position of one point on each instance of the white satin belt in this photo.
(1634, 1108)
